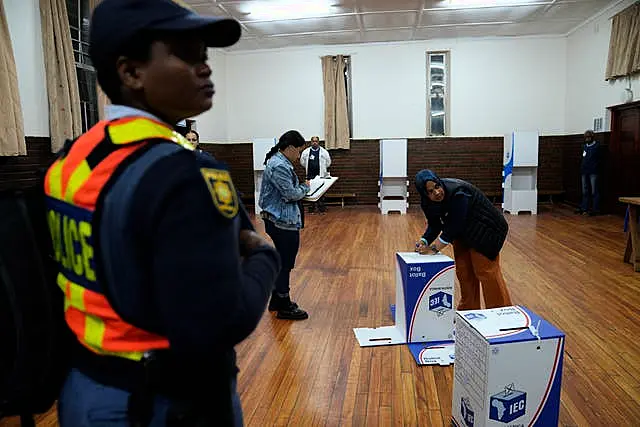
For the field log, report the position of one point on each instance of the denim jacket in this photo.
(280, 192)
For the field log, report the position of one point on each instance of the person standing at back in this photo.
(316, 161)
(590, 169)
(280, 197)
(194, 138)
(162, 270)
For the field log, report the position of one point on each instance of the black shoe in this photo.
(292, 312)
(578, 211)
(286, 308)
(277, 303)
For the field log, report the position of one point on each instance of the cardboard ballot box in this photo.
(508, 369)
(424, 303)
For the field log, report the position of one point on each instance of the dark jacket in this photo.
(465, 215)
(591, 158)
(171, 264)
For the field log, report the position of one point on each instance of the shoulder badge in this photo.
(224, 195)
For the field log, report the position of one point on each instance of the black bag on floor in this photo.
(34, 338)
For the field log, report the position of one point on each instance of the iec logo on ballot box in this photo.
(424, 309)
(508, 369)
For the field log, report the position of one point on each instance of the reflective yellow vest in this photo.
(73, 186)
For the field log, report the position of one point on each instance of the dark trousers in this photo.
(590, 190)
(85, 403)
(287, 242)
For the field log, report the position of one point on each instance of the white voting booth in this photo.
(520, 173)
(424, 310)
(393, 182)
(508, 369)
(261, 147)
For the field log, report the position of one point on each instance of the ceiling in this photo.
(326, 22)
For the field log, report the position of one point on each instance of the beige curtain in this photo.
(336, 115)
(624, 44)
(60, 69)
(103, 101)
(12, 141)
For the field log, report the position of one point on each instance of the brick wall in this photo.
(21, 171)
(478, 160)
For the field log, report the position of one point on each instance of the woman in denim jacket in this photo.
(279, 196)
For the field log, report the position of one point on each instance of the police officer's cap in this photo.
(116, 22)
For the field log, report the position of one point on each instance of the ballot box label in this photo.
(427, 287)
(467, 413)
(508, 405)
(440, 302)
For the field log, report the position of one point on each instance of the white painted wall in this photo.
(553, 85)
(212, 125)
(23, 17)
(498, 85)
(588, 94)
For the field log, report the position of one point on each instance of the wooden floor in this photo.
(566, 268)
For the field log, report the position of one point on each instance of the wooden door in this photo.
(623, 163)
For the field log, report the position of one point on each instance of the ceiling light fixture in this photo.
(459, 4)
(276, 10)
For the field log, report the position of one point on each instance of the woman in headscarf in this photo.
(458, 213)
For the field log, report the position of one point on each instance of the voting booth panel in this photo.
(393, 184)
(261, 147)
(508, 369)
(424, 309)
(520, 173)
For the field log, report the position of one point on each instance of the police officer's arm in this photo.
(282, 179)
(208, 298)
(245, 221)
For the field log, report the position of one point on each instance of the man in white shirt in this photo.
(316, 160)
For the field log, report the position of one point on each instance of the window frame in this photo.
(447, 92)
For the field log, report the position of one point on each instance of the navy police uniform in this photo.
(158, 289)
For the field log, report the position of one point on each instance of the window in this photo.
(79, 12)
(438, 93)
(347, 82)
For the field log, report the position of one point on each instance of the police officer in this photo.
(163, 273)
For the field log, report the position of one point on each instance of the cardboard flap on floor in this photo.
(424, 310)
(442, 354)
(385, 335)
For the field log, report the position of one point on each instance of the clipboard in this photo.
(319, 188)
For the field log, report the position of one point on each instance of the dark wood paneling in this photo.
(21, 171)
(477, 160)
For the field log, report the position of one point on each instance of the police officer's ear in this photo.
(131, 72)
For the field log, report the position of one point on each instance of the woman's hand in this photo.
(421, 247)
(307, 183)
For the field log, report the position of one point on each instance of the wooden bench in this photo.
(493, 195)
(551, 193)
(340, 196)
